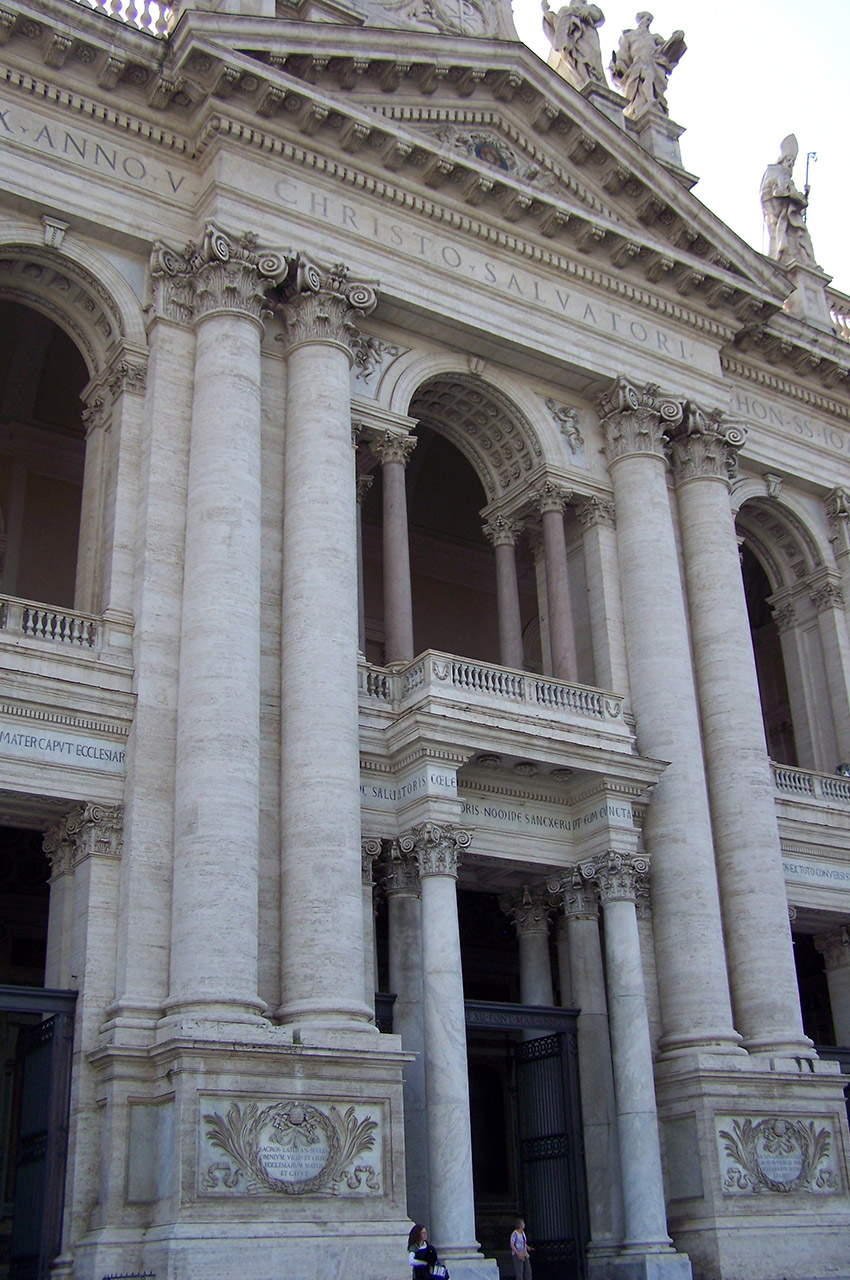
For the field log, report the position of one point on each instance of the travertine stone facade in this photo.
(424, 554)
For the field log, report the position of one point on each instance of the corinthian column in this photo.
(603, 593)
(404, 913)
(322, 932)
(644, 1210)
(835, 949)
(393, 450)
(437, 849)
(550, 500)
(503, 534)
(688, 932)
(214, 909)
(762, 975)
(596, 1073)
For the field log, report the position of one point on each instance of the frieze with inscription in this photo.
(777, 1155)
(289, 1147)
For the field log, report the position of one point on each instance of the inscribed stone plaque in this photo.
(291, 1147)
(760, 1155)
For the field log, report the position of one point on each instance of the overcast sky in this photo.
(754, 71)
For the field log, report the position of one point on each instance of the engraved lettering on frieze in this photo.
(775, 1154)
(567, 420)
(291, 1148)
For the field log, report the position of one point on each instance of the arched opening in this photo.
(770, 666)
(42, 455)
(469, 451)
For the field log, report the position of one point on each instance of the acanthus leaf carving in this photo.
(223, 272)
(322, 304)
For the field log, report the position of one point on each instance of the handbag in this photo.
(439, 1272)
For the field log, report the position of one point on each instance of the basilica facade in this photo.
(425, 700)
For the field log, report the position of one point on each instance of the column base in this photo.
(641, 1266)
(288, 1156)
(756, 1153)
(468, 1267)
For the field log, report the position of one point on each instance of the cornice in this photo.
(783, 386)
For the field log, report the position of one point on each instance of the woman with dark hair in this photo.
(421, 1255)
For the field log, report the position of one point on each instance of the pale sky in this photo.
(754, 71)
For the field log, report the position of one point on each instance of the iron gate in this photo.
(551, 1155)
(43, 1071)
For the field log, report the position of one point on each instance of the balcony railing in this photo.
(807, 784)
(839, 309)
(441, 673)
(43, 622)
(144, 15)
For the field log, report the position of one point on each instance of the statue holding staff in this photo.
(784, 208)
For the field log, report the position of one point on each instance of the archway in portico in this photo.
(42, 455)
(476, 453)
(780, 561)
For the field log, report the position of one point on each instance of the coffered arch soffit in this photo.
(75, 288)
(504, 431)
(782, 540)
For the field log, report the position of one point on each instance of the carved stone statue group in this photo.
(640, 66)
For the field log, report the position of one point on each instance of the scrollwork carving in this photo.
(637, 419)
(618, 876)
(402, 870)
(437, 846)
(321, 304)
(90, 830)
(775, 1154)
(578, 895)
(223, 273)
(706, 444)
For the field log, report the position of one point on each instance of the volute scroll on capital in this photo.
(321, 303)
(706, 445)
(502, 531)
(89, 830)
(393, 446)
(402, 869)
(578, 895)
(619, 876)
(550, 496)
(223, 272)
(637, 419)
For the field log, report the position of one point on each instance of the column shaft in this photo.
(760, 960)
(688, 931)
(322, 931)
(503, 534)
(605, 604)
(214, 910)
(398, 592)
(561, 634)
(637, 1120)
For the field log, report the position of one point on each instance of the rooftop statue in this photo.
(785, 207)
(642, 64)
(574, 35)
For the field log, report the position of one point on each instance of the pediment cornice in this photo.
(580, 195)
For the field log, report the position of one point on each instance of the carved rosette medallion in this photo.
(705, 445)
(322, 304)
(90, 830)
(776, 1154)
(292, 1147)
(637, 419)
(222, 273)
(437, 846)
(529, 910)
(393, 446)
(502, 531)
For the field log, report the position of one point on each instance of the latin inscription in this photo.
(468, 264)
(799, 424)
(815, 872)
(80, 148)
(55, 748)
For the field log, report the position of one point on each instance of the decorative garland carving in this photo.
(777, 1155)
(290, 1138)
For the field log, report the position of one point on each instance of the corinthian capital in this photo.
(597, 511)
(529, 909)
(393, 446)
(90, 830)
(321, 304)
(619, 875)
(577, 891)
(636, 419)
(502, 531)
(837, 507)
(222, 273)
(437, 846)
(370, 849)
(402, 870)
(705, 445)
(550, 496)
(835, 948)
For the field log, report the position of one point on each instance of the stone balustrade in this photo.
(145, 15)
(839, 309)
(807, 784)
(483, 684)
(44, 622)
